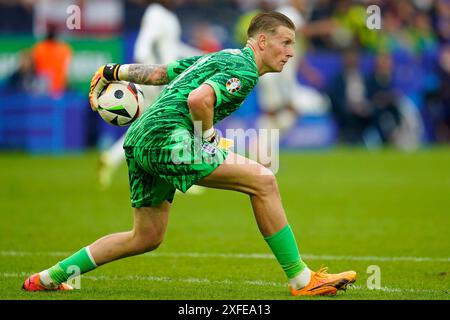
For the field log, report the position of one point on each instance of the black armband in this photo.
(111, 71)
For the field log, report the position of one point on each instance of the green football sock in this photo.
(80, 261)
(285, 249)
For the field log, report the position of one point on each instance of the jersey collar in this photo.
(248, 52)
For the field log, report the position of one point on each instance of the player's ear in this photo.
(262, 41)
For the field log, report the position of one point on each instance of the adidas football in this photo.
(120, 103)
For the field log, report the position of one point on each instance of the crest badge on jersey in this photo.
(233, 85)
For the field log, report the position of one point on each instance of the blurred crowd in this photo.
(42, 69)
(391, 83)
(385, 86)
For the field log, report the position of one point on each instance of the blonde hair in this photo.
(268, 22)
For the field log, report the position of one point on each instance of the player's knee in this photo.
(147, 246)
(266, 184)
(150, 246)
(147, 242)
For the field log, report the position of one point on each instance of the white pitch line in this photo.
(400, 290)
(306, 256)
(158, 279)
(258, 283)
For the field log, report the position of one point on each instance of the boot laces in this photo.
(323, 272)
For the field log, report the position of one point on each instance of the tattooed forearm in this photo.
(149, 74)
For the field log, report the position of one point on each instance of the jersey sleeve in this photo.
(232, 86)
(176, 67)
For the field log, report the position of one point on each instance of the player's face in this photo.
(279, 48)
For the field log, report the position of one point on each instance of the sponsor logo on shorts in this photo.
(233, 85)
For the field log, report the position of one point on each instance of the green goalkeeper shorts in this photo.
(156, 170)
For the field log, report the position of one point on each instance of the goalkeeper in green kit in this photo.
(174, 145)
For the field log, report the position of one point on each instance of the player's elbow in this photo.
(194, 101)
(200, 100)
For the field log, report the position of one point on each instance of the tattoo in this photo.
(149, 74)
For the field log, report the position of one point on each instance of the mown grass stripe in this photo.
(305, 256)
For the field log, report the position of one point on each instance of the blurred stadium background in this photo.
(409, 109)
(386, 90)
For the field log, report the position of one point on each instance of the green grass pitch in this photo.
(350, 209)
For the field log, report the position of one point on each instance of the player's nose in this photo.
(290, 53)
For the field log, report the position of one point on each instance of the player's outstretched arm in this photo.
(145, 74)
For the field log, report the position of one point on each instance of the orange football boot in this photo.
(33, 283)
(323, 283)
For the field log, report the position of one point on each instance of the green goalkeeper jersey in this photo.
(232, 73)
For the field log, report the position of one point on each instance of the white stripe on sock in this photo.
(90, 256)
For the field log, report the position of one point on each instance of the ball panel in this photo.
(118, 94)
(120, 103)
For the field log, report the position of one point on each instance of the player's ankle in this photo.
(301, 280)
(46, 281)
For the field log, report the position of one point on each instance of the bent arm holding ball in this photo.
(146, 74)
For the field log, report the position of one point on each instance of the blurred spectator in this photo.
(52, 59)
(405, 29)
(366, 108)
(441, 15)
(321, 11)
(351, 109)
(243, 21)
(438, 101)
(205, 38)
(339, 24)
(160, 45)
(16, 16)
(424, 39)
(23, 80)
(405, 10)
(388, 38)
(350, 25)
(384, 99)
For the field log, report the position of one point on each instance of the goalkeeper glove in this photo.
(104, 75)
(214, 137)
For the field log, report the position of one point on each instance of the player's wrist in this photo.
(111, 71)
(123, 72)
(209, 134)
